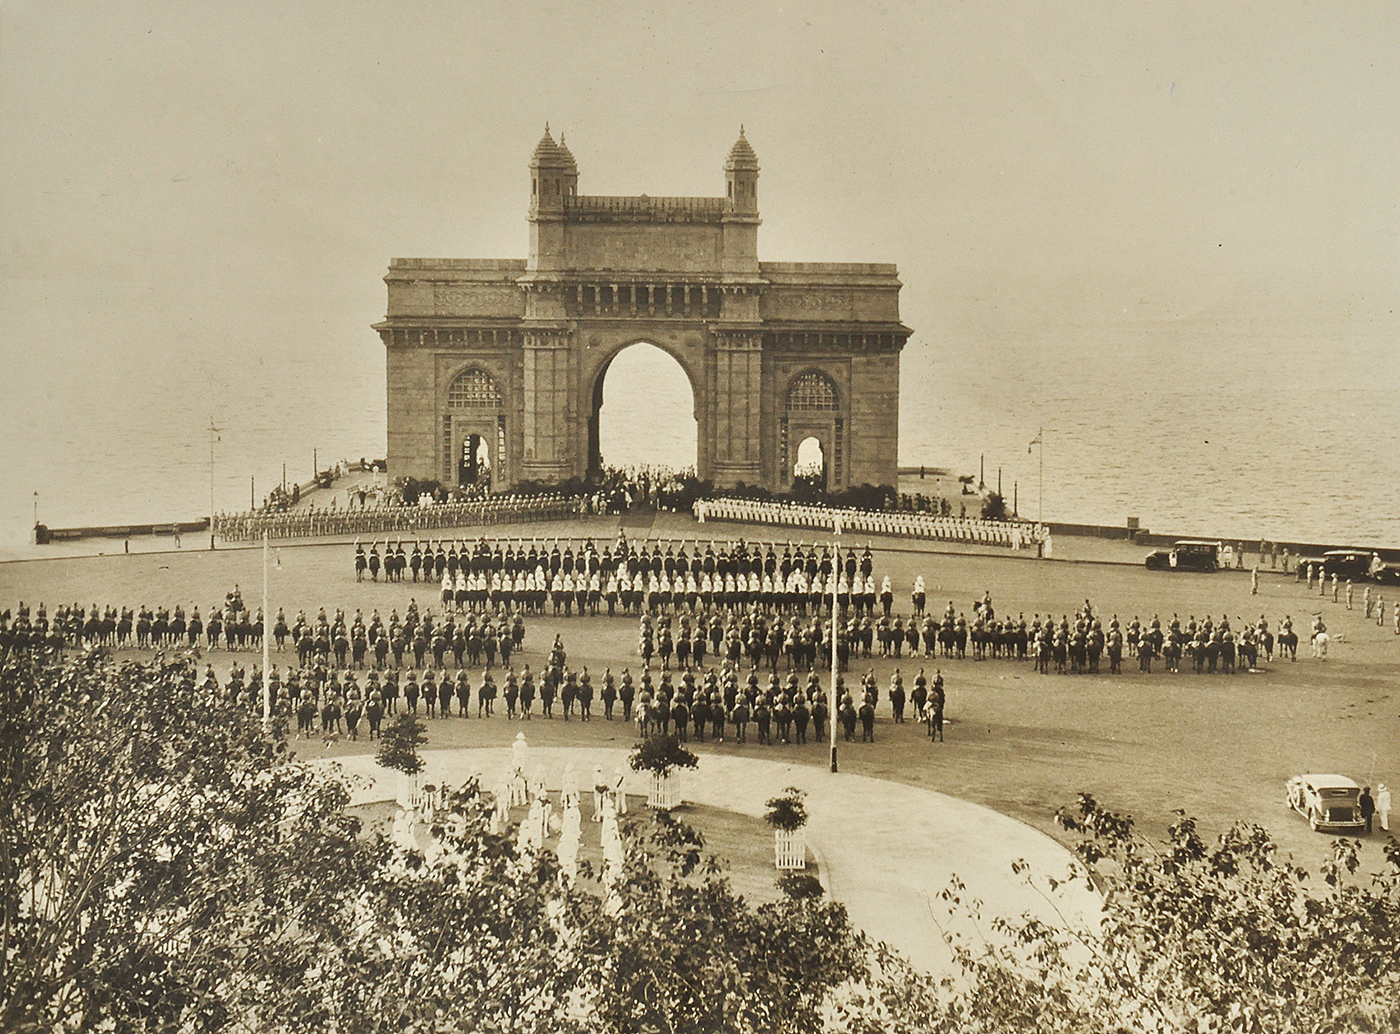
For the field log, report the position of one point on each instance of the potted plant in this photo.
(788, 815)
(662, 756)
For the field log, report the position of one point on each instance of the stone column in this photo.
(546, 415)
(737, 402)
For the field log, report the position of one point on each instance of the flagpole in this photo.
(266, 686)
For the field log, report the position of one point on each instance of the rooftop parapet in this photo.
(643, 209)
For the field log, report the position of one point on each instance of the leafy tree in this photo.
(163, 863)
(399, 742)
(687, 954)
(473, 938)
(994, 507)
(168, 866)
(661, 755)
(1193, 937)
(787, 812)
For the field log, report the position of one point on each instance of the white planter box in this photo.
(664, 792)
(789, 849)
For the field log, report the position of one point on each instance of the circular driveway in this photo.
(886, 850)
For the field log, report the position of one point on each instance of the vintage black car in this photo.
(1387, 574)
(1185, 555)
(1357, 564)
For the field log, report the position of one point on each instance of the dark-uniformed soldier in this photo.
(867, 722)
(848, 718)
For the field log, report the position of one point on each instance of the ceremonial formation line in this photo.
(1012, 534)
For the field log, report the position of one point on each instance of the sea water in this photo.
(1242, 430)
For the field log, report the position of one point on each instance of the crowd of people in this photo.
(615, 490)
(397, 519)
(1012, 534)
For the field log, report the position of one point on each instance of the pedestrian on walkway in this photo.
(1350, 590)
(1254, 580)
(1383, 806)
(1368, 807)
(1366, 603)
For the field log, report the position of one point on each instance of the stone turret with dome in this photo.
(741, 178)
(741, 155)
(568, 156)
(553, 175)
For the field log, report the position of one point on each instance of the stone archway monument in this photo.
(514, 351)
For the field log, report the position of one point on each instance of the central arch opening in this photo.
(643, 415)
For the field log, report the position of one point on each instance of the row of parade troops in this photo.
(732, 558)
(648, 593)
(708, 703)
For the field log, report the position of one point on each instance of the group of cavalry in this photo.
(468, 639)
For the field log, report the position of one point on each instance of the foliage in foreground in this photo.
(1193, 937)
(168, 866)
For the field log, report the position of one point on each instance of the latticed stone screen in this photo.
(474, 389)
(448, 476)
(811, 392)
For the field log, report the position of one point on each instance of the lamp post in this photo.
(213, 432)
(1039, 440)
(36, 507)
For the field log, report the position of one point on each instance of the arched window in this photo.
(812, 392)
(474, 389)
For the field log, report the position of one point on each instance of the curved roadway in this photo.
(886, 850)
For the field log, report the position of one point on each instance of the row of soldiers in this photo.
(471, 639)
(706, 702)
(651, 594)
(431, 560)
(397, 519)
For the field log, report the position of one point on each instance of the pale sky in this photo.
(204, 188)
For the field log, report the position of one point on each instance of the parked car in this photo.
(1316, 563)
(1387, 574)
(1328, 802)
(1185, 555)
(1356, 564)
